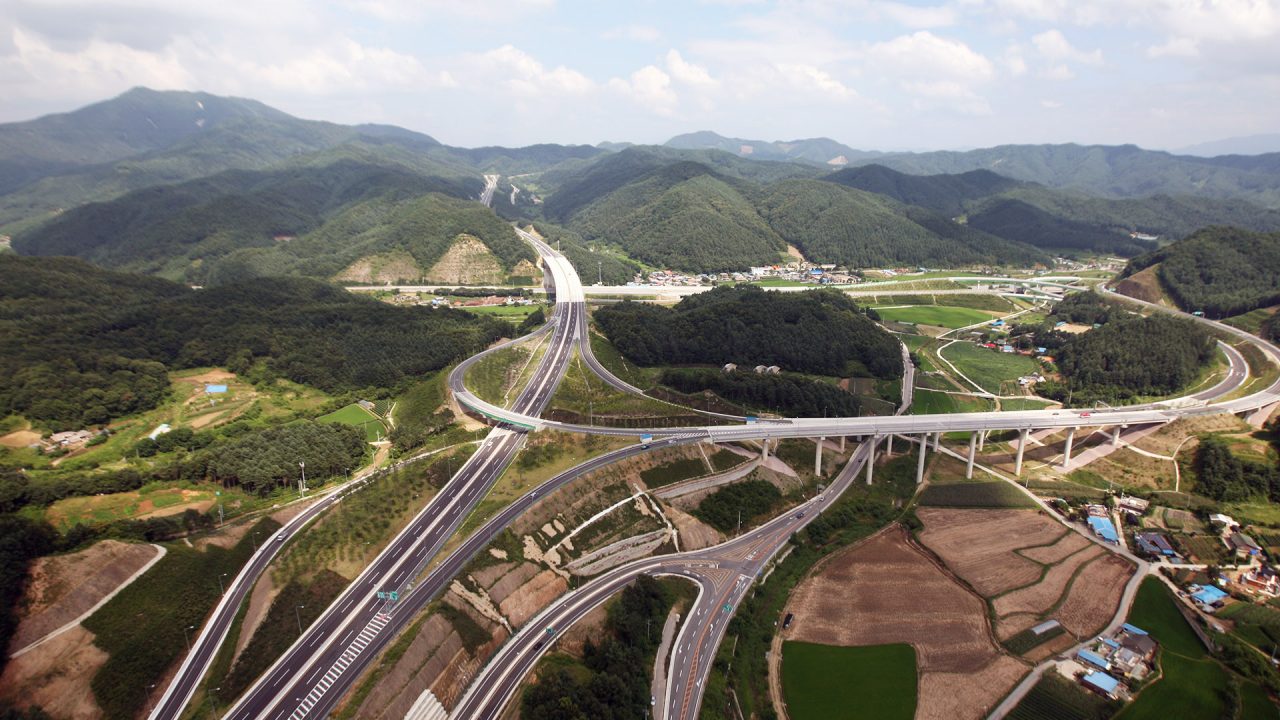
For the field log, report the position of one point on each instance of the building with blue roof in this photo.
(1209, 595)
(1103, 528)
(1101, 682)
(1093, 659)
(1133, 629)
(1110, 643)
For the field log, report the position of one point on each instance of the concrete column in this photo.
(817, 458)
(888, 445)
(982, 439)
(973, 452)
(842, 443)
(1022, 445)
(764, 450)
(937, 440)
(924, 444)
(871, 457)
(1115, 436)
(1066, 449)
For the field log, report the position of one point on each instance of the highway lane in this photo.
(314, 673)
(724, 573)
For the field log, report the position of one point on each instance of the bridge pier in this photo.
(817, 458)
(1066, 449)
(842, 443)
(973, 453)
(937, 440)
(982, 439)
(871, 456)
(924, 444)
(1022, 446)
(888, 445)
(1115, 436)
(764, 450)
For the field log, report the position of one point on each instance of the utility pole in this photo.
(599, 272)
(302, 484)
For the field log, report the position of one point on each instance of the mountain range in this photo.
(211, 190)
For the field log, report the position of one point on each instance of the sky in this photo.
(873, 74)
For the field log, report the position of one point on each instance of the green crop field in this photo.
(1056, 698)
(826, 682)
(931, 402)
(994, 371)
(514, 314)
(359, 417)
(989, 494)
(1193, 684)
(937, 315)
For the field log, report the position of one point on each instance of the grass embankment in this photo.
(828, 682)
(355, 530)
(935, 315)
(931, 402)
(499, 376)
(994, 371)
(623, 369)
(674, 472)
(145, 628)
(741, 663)
(356, 416)
(514, 314)
(584, 396)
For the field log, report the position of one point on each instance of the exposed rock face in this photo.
(466, 262)
(396, 266)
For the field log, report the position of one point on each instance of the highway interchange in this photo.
(313, 675)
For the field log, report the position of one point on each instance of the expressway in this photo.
(313, 674)
(724, 574)
(316, 671)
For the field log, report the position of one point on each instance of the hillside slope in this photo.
(1219, 271)
(311, 221)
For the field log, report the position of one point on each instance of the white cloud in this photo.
(1014, 62)
(1050, 104)
(923, 54)
(1058, 72)
(650, 88)
(949, 95)
(1053, 45)
(812, 79)
(687, 72)
(1175, 47)
(527, 77)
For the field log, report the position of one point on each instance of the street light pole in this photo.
(302, 487)
(298, 616)
(221, 586)
(186, 635)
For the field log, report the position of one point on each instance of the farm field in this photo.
(1193, 683)
(1056, 698)
(829, 682)
(1030, 567)
(936, 315)
(887, 591)
(150, 501)
(514, 314)
(993, 371)
(357, 416)
(929, 402)
(976, 494)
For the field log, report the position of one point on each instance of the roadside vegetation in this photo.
(146, 627)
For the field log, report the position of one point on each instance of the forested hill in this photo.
(139, 121)
(312, 221)
(80, 345)
(948, 194)
(1110, 170)
(821, 332)
(1220, 271)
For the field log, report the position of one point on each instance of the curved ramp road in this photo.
(320, 667)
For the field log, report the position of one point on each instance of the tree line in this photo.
(821, 332)
(1219, 271)
(791, 395)
(80, 346)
